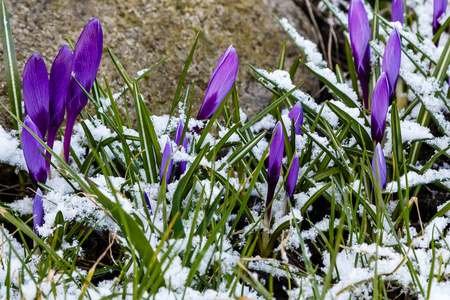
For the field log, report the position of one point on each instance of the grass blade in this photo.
(13, 82)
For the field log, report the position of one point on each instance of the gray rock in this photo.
(143, 32)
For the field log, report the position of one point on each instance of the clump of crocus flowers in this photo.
(46, 102)
(220, 84)
(383, 92)
(384, 89)
(276, 154)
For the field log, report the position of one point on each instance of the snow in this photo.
(142, 72)
(411, 131)
(331, 77)
(308, 48)
(425, 89)
(283, 81)
(10, 152)
(414, 179)
(354, 113)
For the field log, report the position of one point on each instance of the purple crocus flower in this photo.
(36, 93)
(38, 211)
(166, 162)
(379, 160)
(397, 10)
(86, 60)
(359, 30)
(60, 77)
(149, 206)
(391, 61)
(292, 177)
(31, 147)
(273, 173)
(439, 7)
(296, 113)
(180, 168)
(221, 82)
(380, 103)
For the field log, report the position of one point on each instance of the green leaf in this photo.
(178, 230)
(148, 139)
(408, 37)
(13, 82)
(130, 228)
(336, 88)
(176, 98)
(241, 152)
(360, 133)
(425, 115)
(222, 141)
(397, 146)
(269, 108)
(441, 30)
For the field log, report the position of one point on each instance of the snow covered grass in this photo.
(201, 236)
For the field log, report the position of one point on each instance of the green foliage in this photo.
(206, 230)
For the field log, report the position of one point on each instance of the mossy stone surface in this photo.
(142, 32)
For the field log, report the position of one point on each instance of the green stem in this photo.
(424, 120)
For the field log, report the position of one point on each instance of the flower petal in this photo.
(439, 7)
(34, 159)
(291, 180)
(379, 161)
(38, 211)
(220, 84)
(181, 165)
(359, 31)
(296, 113)
(60, 77)
(166, 162)
(179, 132)
(149, 206)
(35, 92)
(397, 10)
(275, 159)
(86, 60)
(380, 103)
(391, 60)
(276, 153)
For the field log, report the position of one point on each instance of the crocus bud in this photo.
(38, 211)
(180, 168)
(275, 158)
(35, 92)
(60, 77)
(391, 61)
(380, 103)
(31, 147)
(397, 10)
(296, 113)
(291, 180)
(359, 30)
(221, 82)
(379, 161)
(439, 7)
(86, 60)
(166, 162)
(147, 201)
